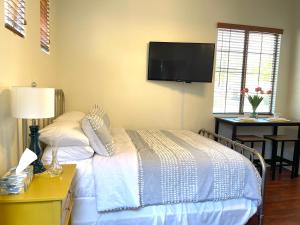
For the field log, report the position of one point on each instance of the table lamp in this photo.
(33, 103)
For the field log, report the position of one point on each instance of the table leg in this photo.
(275, 130)
(274, 153)
(217, 124)
(297, 149)
(217, 127)
(294, 161)
(273, 159)
(234, 128)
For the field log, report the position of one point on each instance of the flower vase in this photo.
(254, 115)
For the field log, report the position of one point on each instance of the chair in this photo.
(252, 139)
(275, 139)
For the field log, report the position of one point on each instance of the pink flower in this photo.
(262, 92)
(244, 91)
(269, 92)
(258, 89)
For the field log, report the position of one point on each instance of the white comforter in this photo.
(119, 173)
(122, 184)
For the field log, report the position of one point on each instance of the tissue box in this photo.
(12, 183)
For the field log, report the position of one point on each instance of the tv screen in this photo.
(188, 62)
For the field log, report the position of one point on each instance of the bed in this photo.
(115, 190)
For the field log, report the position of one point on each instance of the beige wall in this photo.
(295, 65)
(103, 55)
(21, 62)
(99, 55)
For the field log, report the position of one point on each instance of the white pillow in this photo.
(71, 153)
(74, 116)
(64, 133)
(95, 142)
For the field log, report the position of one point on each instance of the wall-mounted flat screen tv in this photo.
(187, 62)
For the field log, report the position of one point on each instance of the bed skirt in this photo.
(230, 212)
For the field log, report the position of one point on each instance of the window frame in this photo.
(45, 26)
(17, 22)
(247, 29)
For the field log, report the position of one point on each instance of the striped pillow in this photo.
(99, 121)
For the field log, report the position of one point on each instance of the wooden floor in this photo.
(282, 201)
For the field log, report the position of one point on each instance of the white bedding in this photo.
(83, 183)
(230, 212)
(121, 172)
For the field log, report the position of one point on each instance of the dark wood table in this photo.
(260, 122)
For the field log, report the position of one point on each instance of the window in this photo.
(14, 16)
(45, 31)
(248, 57)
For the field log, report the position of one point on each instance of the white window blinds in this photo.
(44, 20)
(14, 16)
(248, 57)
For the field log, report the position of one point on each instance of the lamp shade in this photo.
(32, 102)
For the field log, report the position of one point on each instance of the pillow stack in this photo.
(96, 126)
(66, 135)
(77, 136)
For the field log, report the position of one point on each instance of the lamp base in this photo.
(38, 166)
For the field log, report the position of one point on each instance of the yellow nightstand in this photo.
(47, 202)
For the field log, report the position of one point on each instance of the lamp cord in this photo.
(182, 105)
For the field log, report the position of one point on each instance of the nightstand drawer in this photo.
(66, 209)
